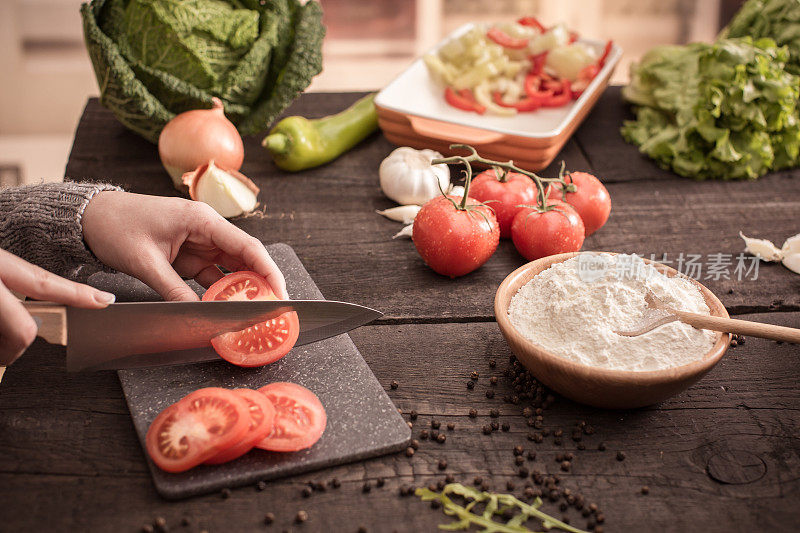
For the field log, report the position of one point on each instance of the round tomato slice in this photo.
(196, 428)
(261, 343)
(262, 416)
(300, 418)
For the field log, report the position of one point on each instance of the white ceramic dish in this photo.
(415, 93)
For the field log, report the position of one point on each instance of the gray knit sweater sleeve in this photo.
(42, 224)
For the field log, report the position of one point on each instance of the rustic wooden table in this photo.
(723, 456)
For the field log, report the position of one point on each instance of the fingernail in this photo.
(104, 297)
(38, 322)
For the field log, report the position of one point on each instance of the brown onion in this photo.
(195, 137)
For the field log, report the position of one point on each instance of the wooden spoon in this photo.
(728, 325)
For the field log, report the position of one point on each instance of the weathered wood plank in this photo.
(327, 216)
(71, 431)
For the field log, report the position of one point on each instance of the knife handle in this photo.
(54, 321)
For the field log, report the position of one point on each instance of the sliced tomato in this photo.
(505, 40)
(532, 22)
(463, 100)
(300, 418)
(196, 428)
(261, 343)
(262, 417)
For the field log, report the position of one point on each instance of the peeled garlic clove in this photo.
(456, 190)
(229, 192)
(761, 248)
(791, 253)
(402, 213)
(405, 232)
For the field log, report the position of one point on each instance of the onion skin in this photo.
(193, 178)
(195, 137)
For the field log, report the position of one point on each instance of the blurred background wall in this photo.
(47, 76)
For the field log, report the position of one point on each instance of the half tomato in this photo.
(261, 343)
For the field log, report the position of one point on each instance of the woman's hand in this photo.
(160, 240)
(17, 327)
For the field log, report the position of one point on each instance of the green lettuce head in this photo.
(154, 59)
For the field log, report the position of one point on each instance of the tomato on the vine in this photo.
(590, 200)
(503, 191)
(537, 233)
(455, 239)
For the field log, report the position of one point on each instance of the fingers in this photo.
(156, 271)
(208, 276)
(35, 282)
(248, 250)
(17, 327)
(203, 271)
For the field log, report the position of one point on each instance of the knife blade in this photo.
(140, 334)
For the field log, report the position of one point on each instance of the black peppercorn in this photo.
(474, 374)
(470, 385)
(478, 480)
(487, 430)
(495, 426)
(413, 415)
(269, 518)
(506, 426)
(559, 457)
(531, 455)
(565, 466)
(510, 486)
(409, 451)
(450, 478)
(451, 426)
(601, 446)
(185, 521)
(568, 456)
(414, 444)
(380, 482)
(225, 493)
(600, 518)
(366, 487)
(441, 438)
(335, 483)
(492, 363)
(306, 492)
(435, 424)
(523, 472)
(490, 394)
(473, 413)
(423, 434)
(147, 528)
(518, 460)
(620, 456)
(301, 517)
(494, 413)
(493, 380)
(161, 523)
(319, 487)
(563, 506)
(442, 464)
(645, 489)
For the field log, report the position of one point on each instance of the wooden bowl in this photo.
(601, 387)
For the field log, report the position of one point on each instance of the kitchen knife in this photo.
(141, 334)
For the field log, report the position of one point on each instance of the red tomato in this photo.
(262, 416)
(557, 231)
(196, 428)
(300, 418)
(507, 195)
(591, 200)
(262, 343)
(454, 242)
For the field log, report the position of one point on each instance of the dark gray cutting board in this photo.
(362, 420)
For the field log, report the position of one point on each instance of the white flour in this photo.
(573, 308)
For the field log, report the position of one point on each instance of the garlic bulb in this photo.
(791, 253)
(407, 176)
(401, 213)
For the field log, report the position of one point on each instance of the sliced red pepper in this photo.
(526, 104)
(463, 100)
(573, 36)
(589, 72)
(505, 40)
(537, 63)
(533, 22)
(602, 60)
(560, 99)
